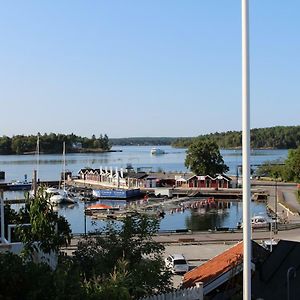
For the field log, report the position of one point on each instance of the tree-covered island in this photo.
(52, 144)
(278, 137)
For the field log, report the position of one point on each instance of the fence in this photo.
(193, 293)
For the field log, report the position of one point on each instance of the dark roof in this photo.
(139, 175)
(84, 170)
(270, 282)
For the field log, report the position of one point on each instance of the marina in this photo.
(184, 211)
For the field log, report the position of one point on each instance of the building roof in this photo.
(214, 267)
(138, 175)
(271, 280)
(221, 264)
(203, 177)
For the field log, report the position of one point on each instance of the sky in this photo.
(145, 68)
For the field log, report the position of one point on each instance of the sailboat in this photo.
(35, 179)
(59, 196)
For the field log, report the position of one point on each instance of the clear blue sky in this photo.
(145, 68)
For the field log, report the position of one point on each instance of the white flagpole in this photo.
(246, 152)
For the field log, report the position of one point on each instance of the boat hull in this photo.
(116, 194)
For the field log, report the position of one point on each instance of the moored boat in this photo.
(100, 208)
(58, 196)
(157, 151)
(116, 193)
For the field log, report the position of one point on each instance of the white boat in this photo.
(157, 151)
(58, 196)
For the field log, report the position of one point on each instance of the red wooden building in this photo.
(220, 181)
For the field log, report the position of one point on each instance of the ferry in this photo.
(157, 151)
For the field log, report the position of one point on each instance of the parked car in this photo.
(177, 263)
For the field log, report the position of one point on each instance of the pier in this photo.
(5, 187)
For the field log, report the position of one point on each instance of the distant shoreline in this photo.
(69, 152)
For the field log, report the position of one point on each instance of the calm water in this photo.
(16, 166)
(50, 166)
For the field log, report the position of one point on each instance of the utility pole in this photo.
(276, 202)
(2, 218)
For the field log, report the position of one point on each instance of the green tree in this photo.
(204, 158)
(47, 230)
(292, 165)
(5, 145)
(98, 255)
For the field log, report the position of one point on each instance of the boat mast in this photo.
(37, 156)
(64, 167)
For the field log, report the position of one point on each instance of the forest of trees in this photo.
(115, 262)
(143, 141)
(279, 137)
(52, 143)
(289, 171)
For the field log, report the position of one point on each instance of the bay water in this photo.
(50, 167)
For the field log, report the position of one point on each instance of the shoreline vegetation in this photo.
(278, 137)
(53, 144)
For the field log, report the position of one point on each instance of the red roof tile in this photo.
(214, 267)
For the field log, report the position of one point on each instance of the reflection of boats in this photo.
(19, 185)
(157, 151)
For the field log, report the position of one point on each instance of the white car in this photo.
(177, 263)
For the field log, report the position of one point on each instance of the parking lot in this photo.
(195, 255)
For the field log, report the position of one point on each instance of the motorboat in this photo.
(157, 151)
(101, 208)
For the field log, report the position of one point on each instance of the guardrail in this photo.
(193, 293)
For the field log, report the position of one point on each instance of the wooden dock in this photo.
(4, 185)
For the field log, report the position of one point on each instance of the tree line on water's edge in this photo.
(278, 137)
(52, 143)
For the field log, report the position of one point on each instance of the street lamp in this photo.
(276, 200)
(276, 203)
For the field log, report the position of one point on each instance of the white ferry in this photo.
(157, 151)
